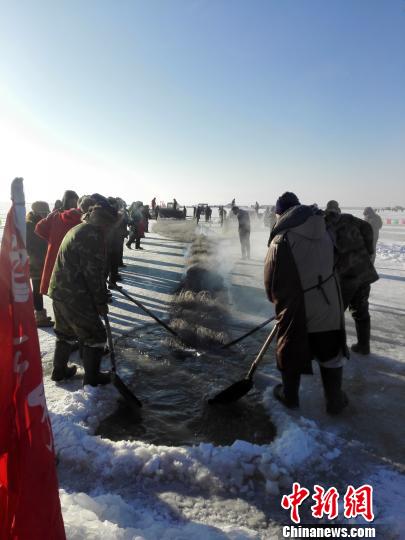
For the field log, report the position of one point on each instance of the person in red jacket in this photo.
(53, 229)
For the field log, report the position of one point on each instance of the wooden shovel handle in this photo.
(262, 352)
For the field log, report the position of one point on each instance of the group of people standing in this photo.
(318, 264)
(75, 253)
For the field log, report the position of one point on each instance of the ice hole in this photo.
(175, 388)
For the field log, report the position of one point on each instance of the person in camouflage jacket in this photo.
(354, 250)
(79, 295)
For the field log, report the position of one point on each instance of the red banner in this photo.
(29, 498)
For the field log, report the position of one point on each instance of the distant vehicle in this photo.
(170, 212)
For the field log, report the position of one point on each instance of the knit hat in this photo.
(40, 207)
(286, 201)
(333, 206)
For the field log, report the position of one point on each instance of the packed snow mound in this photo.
(111, 518)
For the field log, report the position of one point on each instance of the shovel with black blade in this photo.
(242, 387)
(125, 392)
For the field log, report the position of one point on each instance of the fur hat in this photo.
(333, 206)
(286, 201)
(102, 216)
(40, 207)
(84, 203)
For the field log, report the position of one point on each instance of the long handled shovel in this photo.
(148, 312)
(242, 387)
(255, 329)
(125, 392)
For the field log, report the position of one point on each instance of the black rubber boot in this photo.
(287, 392)
(91, 363)
(61, 370)
(336, 399)
(363, 337)
(131, 240)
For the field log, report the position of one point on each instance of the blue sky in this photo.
(205, 100)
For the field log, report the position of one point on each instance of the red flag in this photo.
(29, 498)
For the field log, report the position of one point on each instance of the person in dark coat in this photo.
(153, 206)
(300, 280)
(244, 230)
(354, 251)
(114, 242)
(79, 295)
(376, 223)
(123, 228)
(221, 214)
(36, 249)
(57, 205)
(146, 217)
(198, 213)
(136, 225)
(53, 229)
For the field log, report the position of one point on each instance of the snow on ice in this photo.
(131, 490)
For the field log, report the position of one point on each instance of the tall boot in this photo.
(60, 368)
(91, 363)
(131, 239)
(363, 337)
(336, 399)
(287, 392)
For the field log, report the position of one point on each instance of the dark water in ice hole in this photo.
(174, 387)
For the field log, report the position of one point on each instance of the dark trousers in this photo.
(113, 264)
(244, 237)
(357, 301)
(37, 296)
(133, 237)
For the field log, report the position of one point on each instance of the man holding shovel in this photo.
(79, 294)
(300, 280)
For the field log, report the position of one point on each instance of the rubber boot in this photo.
(61, 370)
(287, 392)
(91, 363)
(336, 399)
(363, 337)
(42, 320)
(131, 240)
